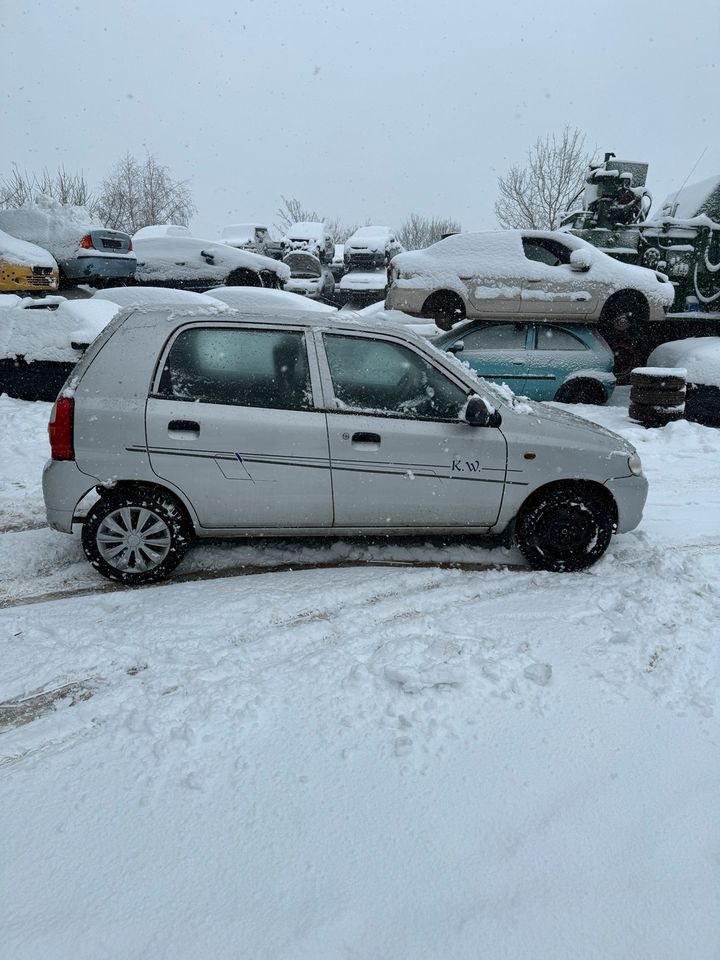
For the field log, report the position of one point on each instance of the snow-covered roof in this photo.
(263, 300)
(244, 231)
(306, 230)
(693, 200)
(152, 296)
(365, 232)
(161, 230)
(23, 253)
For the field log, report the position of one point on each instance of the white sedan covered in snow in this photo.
(524, 273)
(200, 264)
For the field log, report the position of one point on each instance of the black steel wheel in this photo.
(136, 535)
(565, 529)
(445, 308)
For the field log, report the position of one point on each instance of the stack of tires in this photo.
(657, 395)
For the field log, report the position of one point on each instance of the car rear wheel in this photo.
(445, 308)
(565, 529)
(135, 536)
(243, 278)
(581, 391)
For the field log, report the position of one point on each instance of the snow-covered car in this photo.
(85, 250)
(257, 300)
(337, 265)
(370, 248)
(310, 236)
(570, 363)
(189, 423)
(246, 236)
(700, 358)
(161, 230)
(308, 276)
(41, 340)
(200, 264)
(125, 297)
(362, 287)
(525, 272)
(25, 267)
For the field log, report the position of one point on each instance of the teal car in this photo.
(570, 362)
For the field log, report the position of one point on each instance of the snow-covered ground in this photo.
(353, 757)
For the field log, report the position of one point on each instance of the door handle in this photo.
(186, 426)
(366, 438)
(531, 280)
(518, 363)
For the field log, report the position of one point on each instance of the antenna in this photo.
(692, 170)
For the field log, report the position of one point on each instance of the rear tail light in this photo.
(130, 246)
(61, 429)
(86, 242)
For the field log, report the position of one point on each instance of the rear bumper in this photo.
(630, 494)
(409, 301)
(64, 485)
(84, 268)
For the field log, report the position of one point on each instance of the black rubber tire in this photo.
(656, 398)
(445, 308)
(159, 503)
(582, 391)
(564, 529)
(654, 416)
(655, 381)
(242, 277)
(628, 354)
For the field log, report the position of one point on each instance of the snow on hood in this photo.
(187, 257)
(700, 356)
(48, 334)
(23, 253)
(498, 256)
(264, 300)
(50, 224)
(374, 239)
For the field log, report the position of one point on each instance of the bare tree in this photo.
(293, 211)
(536, 195)
(21, 187)
(418, 231)
(138, 194)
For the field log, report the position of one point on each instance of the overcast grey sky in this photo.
(358, 108)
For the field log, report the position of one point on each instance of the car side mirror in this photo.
(456, 347)
(580, 260)
(479, 413)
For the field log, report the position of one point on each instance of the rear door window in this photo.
(248, 368)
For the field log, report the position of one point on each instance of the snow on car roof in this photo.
(372, 232)
(23, 253)
(178, 256)
(161, 230)
(305, 230)
(50, 224)
(260, 300)
(151, 296)
(242, 230)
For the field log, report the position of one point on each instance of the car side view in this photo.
(527, 273)
(570, 363)
(202, 422)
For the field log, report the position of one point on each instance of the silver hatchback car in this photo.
(196, 422)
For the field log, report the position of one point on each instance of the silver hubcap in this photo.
(133, 538)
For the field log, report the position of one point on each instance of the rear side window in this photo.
(246, 368)
(551, 338)
(496, 336)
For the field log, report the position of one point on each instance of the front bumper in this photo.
(630, 494)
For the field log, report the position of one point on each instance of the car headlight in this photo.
(635, 465)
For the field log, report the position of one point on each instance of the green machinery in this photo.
(682, 241)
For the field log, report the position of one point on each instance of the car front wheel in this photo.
(565, 529)
(135, 536)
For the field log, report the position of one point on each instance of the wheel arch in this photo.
(573, 383)
(121, 486)
(577, 486)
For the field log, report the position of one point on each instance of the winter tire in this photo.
(656, 398)
(445, 308)
(565, 530)
(136, 535)
(655, 416)
(582, 391)
(655, 381)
